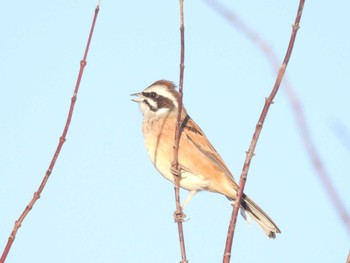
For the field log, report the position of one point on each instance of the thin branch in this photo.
(317, 162)
(250, 153)
(342, 134)
(304, 130)
(62, 139)
(178, 215)
(348, 259)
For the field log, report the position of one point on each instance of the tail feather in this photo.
(260, 217)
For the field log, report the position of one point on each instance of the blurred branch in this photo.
(342, 134)
(304, 130)
(178, 215)
(316, 160)
(62, 139)
(250, 153)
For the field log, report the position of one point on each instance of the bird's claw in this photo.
(175, 169)
(179, 216)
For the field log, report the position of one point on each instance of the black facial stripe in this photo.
(151, 95)
(150, 106)
(161, 101)
(164, 102)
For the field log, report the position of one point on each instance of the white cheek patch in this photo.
(148, 105)
(153, 105)
(162, 111)
(148, 113)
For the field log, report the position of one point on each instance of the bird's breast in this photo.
(159, 140)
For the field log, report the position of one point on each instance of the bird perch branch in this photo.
(62, 139)
(250, 153)
(175, 165)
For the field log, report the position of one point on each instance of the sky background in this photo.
(104, 201)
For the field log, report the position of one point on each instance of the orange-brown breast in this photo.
(202, 167)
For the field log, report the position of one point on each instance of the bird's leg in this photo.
(192, 193)
(178, 214)
(175, 169)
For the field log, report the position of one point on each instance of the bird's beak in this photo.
(139, 97)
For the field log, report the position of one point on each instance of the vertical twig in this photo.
(302, 125)
(250, 153)
(58, 149)
(175, 166)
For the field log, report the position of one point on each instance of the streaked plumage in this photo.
(201, 166)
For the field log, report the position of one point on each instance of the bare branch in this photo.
(178, 215)
(250, 153)
(62, 139)
(316, 160)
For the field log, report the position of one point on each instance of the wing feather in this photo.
(197, 138)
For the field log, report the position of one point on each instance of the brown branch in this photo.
(62, 139)
(316, 160)
(178, 215)
(250, 153)
(348, 259)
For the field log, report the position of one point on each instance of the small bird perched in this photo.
(201, 166)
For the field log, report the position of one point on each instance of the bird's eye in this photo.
(153, 95)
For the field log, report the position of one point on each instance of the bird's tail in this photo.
(259, 216)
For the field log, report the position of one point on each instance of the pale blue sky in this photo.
(104, 201)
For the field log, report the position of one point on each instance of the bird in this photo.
(201, 167)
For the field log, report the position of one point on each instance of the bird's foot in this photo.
(179, 216)
(175, 169)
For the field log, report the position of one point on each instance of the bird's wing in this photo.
(195, 136)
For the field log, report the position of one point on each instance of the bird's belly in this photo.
(188, 180)
(191, 182)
